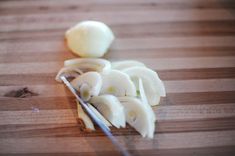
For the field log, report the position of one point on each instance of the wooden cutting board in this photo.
(191, 44)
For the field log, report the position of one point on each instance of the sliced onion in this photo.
(100, 116)
(85, 118)
(110, 108)
(89, 64)
(113, 92)
(88, 84)
(152, 117)
(117, 83)
(120, 65)
(137, 116)
(153, 86)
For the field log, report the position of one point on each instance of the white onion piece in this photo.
(138, 116)
(85, 91)
(117, 83)
(110, 108)
(89, 64)
(88, 84)
(142, 92)
(100, 116)
(120, 65)
(153, 86)
(89, 38)
(148, 107)
(68, 72)
(85, 118)
(145, 100)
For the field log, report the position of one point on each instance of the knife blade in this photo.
(102, 126)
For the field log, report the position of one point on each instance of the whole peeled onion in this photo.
(89, 38)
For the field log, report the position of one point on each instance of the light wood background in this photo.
(190, 43)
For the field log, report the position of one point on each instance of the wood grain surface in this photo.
(190, 43)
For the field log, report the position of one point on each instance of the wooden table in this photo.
(191, 44)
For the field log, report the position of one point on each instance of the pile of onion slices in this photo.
(118, 92)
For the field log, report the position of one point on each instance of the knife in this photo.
(102, 126)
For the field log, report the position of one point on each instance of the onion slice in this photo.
(110, 108)
(152, 117)
(89, 64)
(120, 65)
(153, 86)
(117, 83)
(100, 116)
(85, 118)
(137, 116)
(88, 84)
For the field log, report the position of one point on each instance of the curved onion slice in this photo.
(89, 64)
(85, 118)
(145, 100)
(68, 72)
(110, 107)
(138, 116)
(148, 107)
(120, 65)
(117, 83)
(153, 86)
(88, 84)
(100, 116)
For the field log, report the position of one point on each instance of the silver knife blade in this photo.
(102, 126)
